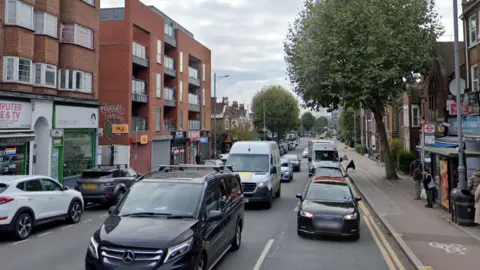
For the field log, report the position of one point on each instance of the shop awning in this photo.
(450, 152)
(443, 145)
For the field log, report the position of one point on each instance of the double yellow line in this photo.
(386, 249)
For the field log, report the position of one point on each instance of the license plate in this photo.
(245, 200)
(90, 186)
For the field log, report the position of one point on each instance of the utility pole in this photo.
(215, 112)
(264, 126)
(461, 166)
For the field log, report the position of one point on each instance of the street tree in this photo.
(350, 131)
(242, 132)
(282, 112)
(360, 53)
(320, 124)
(308, 120)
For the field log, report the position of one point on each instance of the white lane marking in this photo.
(66, 227)
(263, 254)
(88, 220)
(92, 205)
(19, 242)
(104, 215)
(43, 234)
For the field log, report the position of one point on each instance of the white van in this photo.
(323, 155)
(258, 164)
(310, 147)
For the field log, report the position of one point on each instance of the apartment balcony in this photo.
(193, 77)
(169, 97)
(139, 123)
(139, 93)
(139, 55)
(193, 103)
(169, 64)
(170, 37)
(169, 124)
(193, 124)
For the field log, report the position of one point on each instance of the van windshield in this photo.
(326, 156)
(249, 162)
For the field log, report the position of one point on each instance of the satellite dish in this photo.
(453, 87)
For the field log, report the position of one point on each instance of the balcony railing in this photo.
(193, 124)
(169, 97)
(139, 53)
(192, 73)
(193, 99)
(139, 93)
(169, 66)
(169, 124)
(139, 123)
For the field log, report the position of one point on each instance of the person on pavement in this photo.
(474, 181)
(477, 205)
(429, 185)
(198, 158)
(417, 178)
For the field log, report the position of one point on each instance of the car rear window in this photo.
(99, 174)
(328, 172)
(3, 187)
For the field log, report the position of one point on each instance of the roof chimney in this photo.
(225, 100)
(242, 106)
(235, 105)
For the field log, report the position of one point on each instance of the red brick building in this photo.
(154, 88)
(48, 89)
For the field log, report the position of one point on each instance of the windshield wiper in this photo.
(146, 214)
(179, 216)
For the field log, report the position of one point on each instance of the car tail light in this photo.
(4, 200)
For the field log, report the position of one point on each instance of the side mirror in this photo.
(65, 188)
(341, 159)
(299, 196)
(215, 215)
(111, 209)
(138, 175)
(273, 170)
(309, 159)
(358, 199)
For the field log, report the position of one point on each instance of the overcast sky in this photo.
(246, 37)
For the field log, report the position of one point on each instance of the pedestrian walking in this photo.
(417, 178)
(474, 181)
(477, 205)
(429, 186)
(198, 158)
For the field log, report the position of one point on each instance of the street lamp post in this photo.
(264, 126)
(215, 112)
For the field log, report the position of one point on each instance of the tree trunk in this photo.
(386, 153)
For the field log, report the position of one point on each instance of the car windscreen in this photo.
(249, 162)
(328, 172)
(321, 155)
(284, 164)
(162, 198)
(291, 157)
(96, 174)
(3, 187)
(328, 193)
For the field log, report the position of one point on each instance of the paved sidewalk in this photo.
(426, 235)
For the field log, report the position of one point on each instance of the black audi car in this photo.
(182, 219)
(328, 208)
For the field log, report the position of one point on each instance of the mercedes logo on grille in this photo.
(128, 257)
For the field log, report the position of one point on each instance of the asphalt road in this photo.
(270, 241)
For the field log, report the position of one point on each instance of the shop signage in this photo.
(56, 133)
(429, 134)
(76, 117)
(470, 124)
(119, 129)
(203, 139)
(144, 139)
(194, 135)
(179, 135)
(15, 114)
(204, 133)
(452, 108)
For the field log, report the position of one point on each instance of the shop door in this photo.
(160, 154)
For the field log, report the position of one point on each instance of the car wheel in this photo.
(23, 226)
(119, 196)
(270, 201)
(74, 212)
(279, 191)
(237, 238)
(356, 237)
(201, 263)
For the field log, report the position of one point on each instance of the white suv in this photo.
(27, 201)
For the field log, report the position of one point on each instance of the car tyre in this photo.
(201, 263)
(279, 191)
(356, 237)
(75, 212)
(23, 226)
(270, 201)
(237, 238)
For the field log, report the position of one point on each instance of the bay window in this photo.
(16, 69)
(75, 80)
(76, 34)
(19, 13)
(45, 75)
(45, 24)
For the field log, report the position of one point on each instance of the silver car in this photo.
(287, 170)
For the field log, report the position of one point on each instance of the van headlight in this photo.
(93, 248)
(262, 184)
(351, 216)
(178, 250)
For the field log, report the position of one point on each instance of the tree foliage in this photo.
(347, 126)
(282, 112)
(320, 124)
(242, 132)
(307, 120)
(360, 53)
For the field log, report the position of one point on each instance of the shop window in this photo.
(13, 160)
(78, 156)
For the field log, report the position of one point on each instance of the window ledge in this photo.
(17, 82)
(46, 35)
(74, 91)
(78, 45)
(471, 46)
(45, 86)
(16, 25)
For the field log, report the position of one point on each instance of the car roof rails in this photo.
(182, 167)
(119, 166)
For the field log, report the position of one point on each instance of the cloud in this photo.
(246, 38)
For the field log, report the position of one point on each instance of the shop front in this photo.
(194, 138)
(16, 134)
(74, 149)
(179, 148)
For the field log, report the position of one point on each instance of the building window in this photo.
(158, 119)
(180, 92)
(159, 85)
(406, 122)
(159, 51)
(76, 80)
(474, 72)
(203, 72)
(180, 123)
(17, 69)
(415, 116)
(181, 62)
(45, 75)
(472, 21)
(76, 34)
(168, 30)
(203, 120)
(90, 2)
(45, 24)
(19, 13)
(204, 98)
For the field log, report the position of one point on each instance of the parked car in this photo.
(172, 219)
(106, 183)
(295, 161)
(287, 170)
(328, 208)
(305, 153)
(27, 201)
(328, 174)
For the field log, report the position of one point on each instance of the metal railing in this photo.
(192, 73)
(193, 124)
(139, 50)
(169, 125)
(168, 93)
(138, 87)
(169, 62)
(193, 99)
